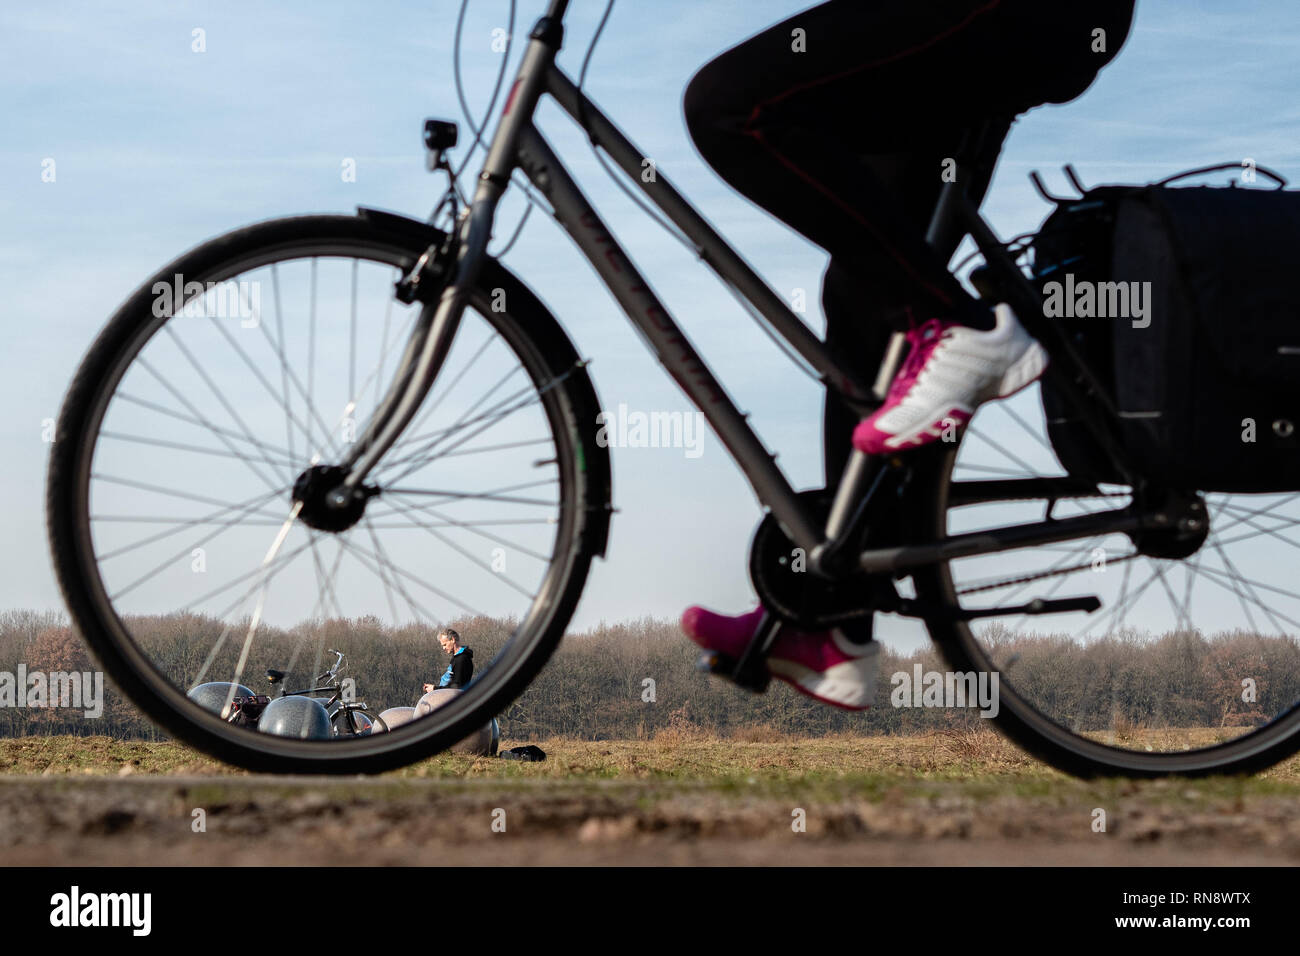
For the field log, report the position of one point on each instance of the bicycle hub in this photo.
(326, 504)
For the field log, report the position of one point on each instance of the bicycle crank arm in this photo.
(750, 673)
(881, 560)
(909, 608)
(750, 670)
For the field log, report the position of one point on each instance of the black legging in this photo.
(839, 119)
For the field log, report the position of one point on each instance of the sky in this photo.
(158, 147)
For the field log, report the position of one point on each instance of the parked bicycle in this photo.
(371, 415)
(320, 712)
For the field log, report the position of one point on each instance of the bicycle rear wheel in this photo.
(178, 503)
(1190, 667)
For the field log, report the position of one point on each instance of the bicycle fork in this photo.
(422, 359)
(435, 330)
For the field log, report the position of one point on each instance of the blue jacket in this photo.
(460, 670)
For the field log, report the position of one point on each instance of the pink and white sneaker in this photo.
(825, 665)
(951, 370)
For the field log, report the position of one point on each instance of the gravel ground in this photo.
(259, 820)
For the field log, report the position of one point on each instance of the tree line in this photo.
(634, 679)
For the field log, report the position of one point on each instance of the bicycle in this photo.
(238, 705)
(347, 716)
(889, 521)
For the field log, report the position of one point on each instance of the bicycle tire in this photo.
(1027, 726)
(570, 405)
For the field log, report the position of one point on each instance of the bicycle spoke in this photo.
(352, 332)
(1259, 530)
(418, 611)
(283, 562)
(311, 344)
(184, 552)
(462, 524)
(526, 443)
(496, 420)
(325, 580)
(230, 410)
(325, 587)
(1028, 468)
(240, 512)
(989, 470)
(1121, 608)
(284, 400)
(360, 553)
(491, 417)
(215, 429)
(494, 495)
(1247, 590)
(388, 591)
(184, 446)
(1033, 433)
(435, 401)
(1179, 613)
(177, 519)
(472, 559)
(1128, 569)
(158, 489)
(423, 456)
(261, 602)
(470, 527)
(277, 566)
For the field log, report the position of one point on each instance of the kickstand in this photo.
(750, 671)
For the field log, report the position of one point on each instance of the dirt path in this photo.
(254, 820)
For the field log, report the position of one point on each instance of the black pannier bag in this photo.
(1204, 358)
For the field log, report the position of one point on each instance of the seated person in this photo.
(461, 668)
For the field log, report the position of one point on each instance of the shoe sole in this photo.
(795, 674)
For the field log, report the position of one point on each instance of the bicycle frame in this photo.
(518, 144)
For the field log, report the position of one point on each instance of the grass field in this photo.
(679, 798)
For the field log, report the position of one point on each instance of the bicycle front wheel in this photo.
(179, 502)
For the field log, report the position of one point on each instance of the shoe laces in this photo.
(922, 338)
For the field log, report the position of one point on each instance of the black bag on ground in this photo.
(528, 752)
(1185, 303)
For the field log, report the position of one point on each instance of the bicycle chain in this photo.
(1047, 574)
(1042, 574)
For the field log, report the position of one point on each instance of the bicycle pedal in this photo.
(755, 680)
(712, 662)
(725, 666)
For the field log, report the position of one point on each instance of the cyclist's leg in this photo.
(865, 285)
(951, 369)
(863, 311)
(788, 115)
(864, 194)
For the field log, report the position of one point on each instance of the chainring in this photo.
(780, 575)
